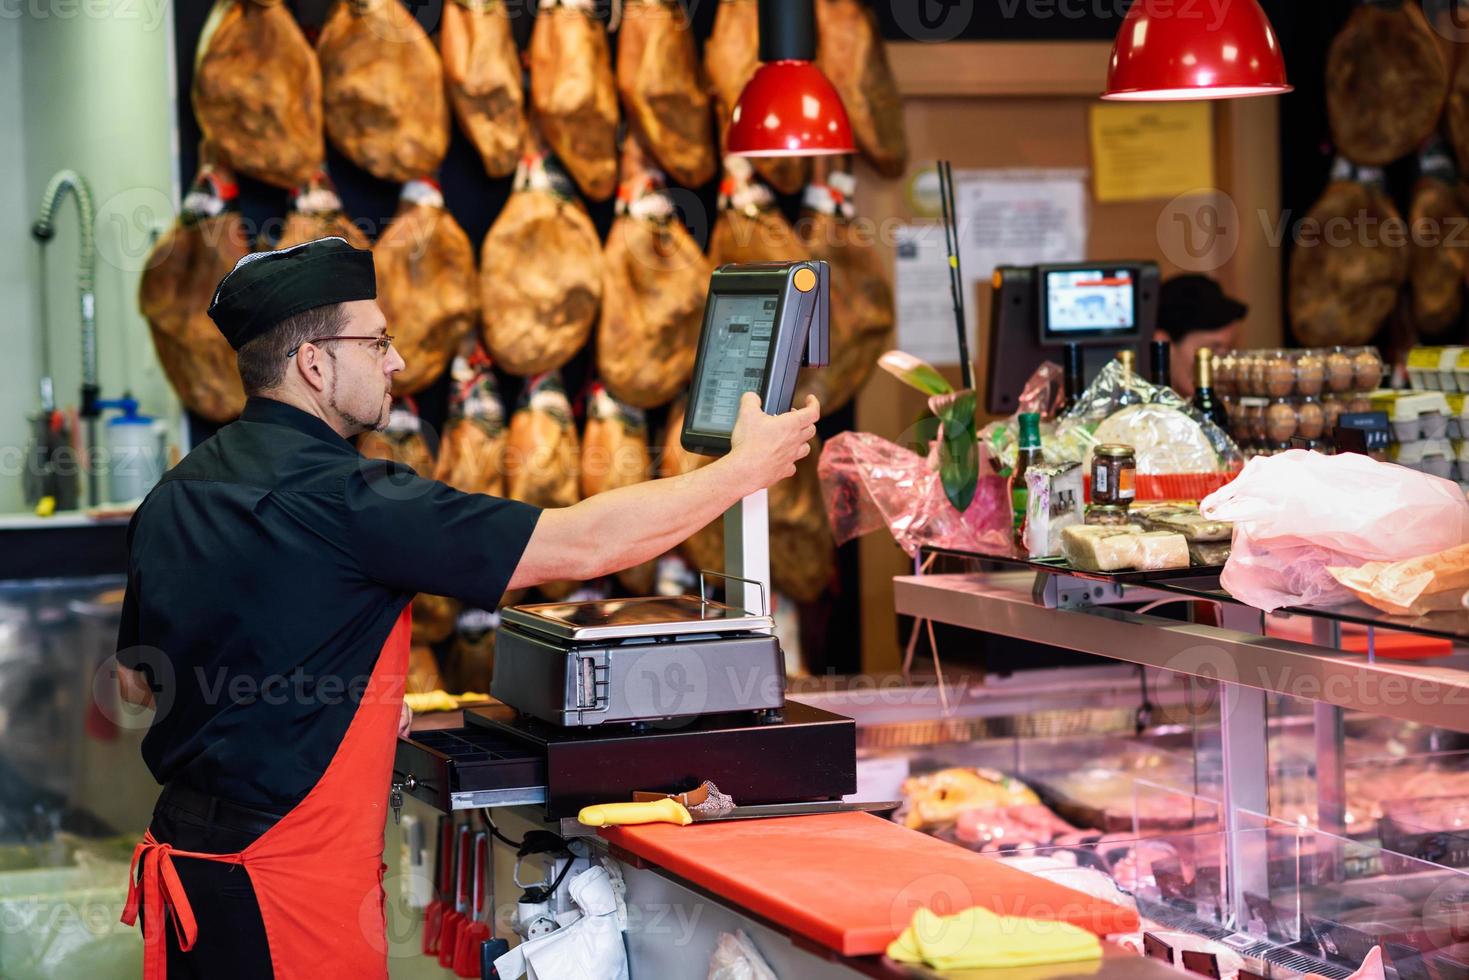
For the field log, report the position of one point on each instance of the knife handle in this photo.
(619, 814)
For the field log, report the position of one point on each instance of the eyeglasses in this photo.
(382, 343)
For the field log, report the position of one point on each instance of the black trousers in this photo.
(231, 939)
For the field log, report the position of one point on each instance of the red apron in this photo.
(317, 873)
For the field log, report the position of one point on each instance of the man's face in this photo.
(1181, 360)
(360, 389)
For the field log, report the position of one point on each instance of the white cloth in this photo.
(589, 948)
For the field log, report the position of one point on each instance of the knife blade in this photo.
(668, 810)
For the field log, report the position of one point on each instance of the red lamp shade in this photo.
(1168, 51)
(789, 109)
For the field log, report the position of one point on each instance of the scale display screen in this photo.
(1089, 301)
(762, 321)
(738, 351)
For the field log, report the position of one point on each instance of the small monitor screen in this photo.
(1090, 301)
(738, 347)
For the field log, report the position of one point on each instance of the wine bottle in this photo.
(1161, 369)
(1129, 394)
(1074, 376)
(1210, 405)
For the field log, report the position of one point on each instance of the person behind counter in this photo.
(1194, 313)
(266, 618)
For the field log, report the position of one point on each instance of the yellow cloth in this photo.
(978, 938)
(424, 702)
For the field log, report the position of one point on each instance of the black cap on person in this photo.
(265, 288)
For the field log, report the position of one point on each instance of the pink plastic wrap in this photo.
(869, 483)
(1299, 512)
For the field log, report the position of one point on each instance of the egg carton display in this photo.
(1264, 426)
(1438, 369)
(1300, 373)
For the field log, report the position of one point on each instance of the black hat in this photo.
(265, 288)
(1191, 303)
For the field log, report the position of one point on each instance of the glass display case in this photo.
(1301, 781)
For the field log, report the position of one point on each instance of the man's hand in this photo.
(765, 448)
(405, 721)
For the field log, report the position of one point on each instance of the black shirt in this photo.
(265, 572)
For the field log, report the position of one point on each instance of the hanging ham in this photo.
(1456, 106)
(1385, 83)
(482, 68)
(543, 454)
(704, 549)
(665, 99)
(1343, 286)
(750, 228)
(654, 281)
(425, 285)
(862, 314)
(540, 273)
(472, 448)
(257, 92)
(316, 212)
(383, 89)
(572, 92)
(850, 51)
(614, 453)
(178, 282)
(1436, 268)
(731, 55)
(433, 617)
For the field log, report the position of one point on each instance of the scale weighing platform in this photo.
(604, 698)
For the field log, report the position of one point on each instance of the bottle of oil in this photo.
(1029, 455)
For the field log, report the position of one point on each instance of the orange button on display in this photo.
(804, 280)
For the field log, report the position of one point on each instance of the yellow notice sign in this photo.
(1147, 151)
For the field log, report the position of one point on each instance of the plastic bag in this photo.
(868, 483)
(1298, 513)
(1169, 434)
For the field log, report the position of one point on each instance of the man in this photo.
(1195, 313)
(267, 616)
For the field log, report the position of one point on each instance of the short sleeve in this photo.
(421, 535)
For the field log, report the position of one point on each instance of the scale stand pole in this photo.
(747, 552)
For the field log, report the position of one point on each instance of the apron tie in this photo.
(162, 892)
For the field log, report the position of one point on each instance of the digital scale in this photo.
(1036, 310)
(603, 698)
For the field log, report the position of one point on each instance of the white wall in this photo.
(96, 96)
(17, 363)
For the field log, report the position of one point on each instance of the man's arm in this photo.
(630, 525)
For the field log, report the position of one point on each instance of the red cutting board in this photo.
(851, 881)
